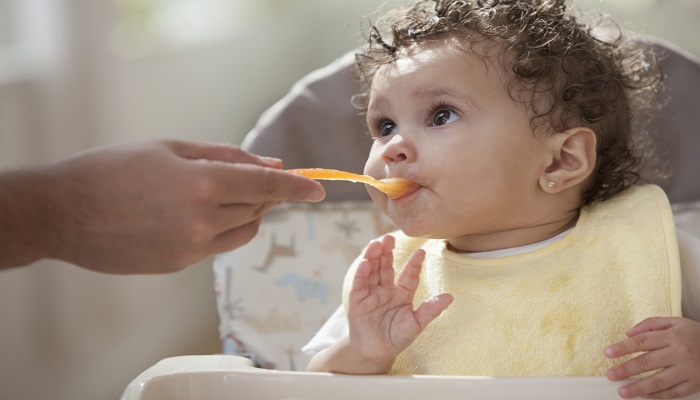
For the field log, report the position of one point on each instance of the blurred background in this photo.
(81, 73)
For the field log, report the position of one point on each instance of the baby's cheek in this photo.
(374, 166)
(379, 198)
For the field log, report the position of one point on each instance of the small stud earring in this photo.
(550, 184)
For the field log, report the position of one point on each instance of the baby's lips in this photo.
(398, 187)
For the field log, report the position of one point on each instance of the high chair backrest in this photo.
(676, 129)
(274, 293)
(315, 125)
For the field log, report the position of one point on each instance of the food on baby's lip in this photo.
(392, 187)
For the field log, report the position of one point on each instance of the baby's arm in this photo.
(382, 322)
(669, 345)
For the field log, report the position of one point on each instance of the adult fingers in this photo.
(235, 238)
(231, 216)
(220, 152)
(246, 183)
(228, 174)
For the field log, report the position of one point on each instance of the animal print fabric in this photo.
(274, 293)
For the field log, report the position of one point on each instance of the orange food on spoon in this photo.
(392, 187)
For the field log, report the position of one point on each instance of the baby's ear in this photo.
(572, 160)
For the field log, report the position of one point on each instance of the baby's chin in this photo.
(417, 231)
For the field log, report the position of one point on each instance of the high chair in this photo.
(274, 293)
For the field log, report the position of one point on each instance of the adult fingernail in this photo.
(273, 162)
(316, 195)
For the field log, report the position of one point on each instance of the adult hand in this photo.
(144, 207)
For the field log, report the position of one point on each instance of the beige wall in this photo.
(672, 20)
(67, 333)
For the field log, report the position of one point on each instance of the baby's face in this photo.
(442, 117)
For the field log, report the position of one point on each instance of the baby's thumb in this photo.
(432, 308)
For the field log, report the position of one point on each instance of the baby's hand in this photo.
(671, 346)
(380, 311)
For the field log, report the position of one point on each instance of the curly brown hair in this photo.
(566, 72)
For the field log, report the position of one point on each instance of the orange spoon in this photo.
(392, 187)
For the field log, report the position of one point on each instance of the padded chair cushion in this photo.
(687, 217)
(315, 125)
(274, 293)
(675, 129)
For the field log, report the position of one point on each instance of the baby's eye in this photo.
(386, 128)
(444, 116)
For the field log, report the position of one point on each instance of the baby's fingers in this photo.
(386, 261)
(430, 309)
(379, 248)
(653, 324)
(377, 263)
(643, 363)
(409, 277)
(365, 278)
(681, 390)
(642, 342)
(665, 384)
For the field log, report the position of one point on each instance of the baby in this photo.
(527, 249)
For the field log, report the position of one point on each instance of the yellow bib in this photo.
(552, 311)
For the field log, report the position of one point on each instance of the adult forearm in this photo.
(144, 207)
(25, 218)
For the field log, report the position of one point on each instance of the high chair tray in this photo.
(211, 377)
